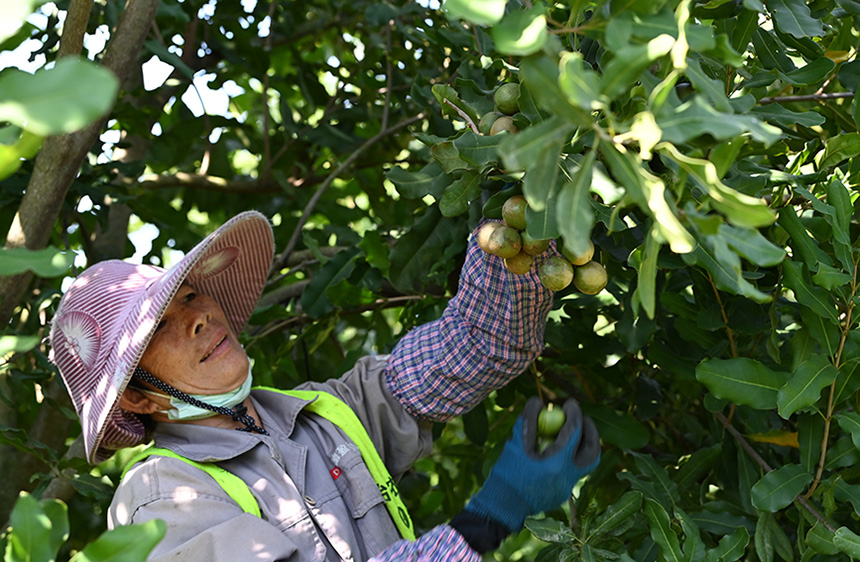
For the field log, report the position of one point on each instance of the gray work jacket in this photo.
(317, 498)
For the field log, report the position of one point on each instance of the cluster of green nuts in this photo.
(510, 241)
(506, 99)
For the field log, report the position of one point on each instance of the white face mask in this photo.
(184, 411)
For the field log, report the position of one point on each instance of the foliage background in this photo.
(706, 147)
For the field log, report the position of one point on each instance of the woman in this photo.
(148, 353)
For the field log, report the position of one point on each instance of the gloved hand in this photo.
(524, 481)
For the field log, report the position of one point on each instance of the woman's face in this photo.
(193, 348)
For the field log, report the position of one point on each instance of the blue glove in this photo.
(524, 481)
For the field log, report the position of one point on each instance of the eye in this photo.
(160, 325)
(189, 296)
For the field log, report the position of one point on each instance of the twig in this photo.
(388, 79)
(281, 259)
(375, 305)
(465, 117)
(267, 145)
(725, 317)
(846, 328)
(809, 97)
(763, 463)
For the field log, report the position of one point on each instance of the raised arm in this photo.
(489, 333)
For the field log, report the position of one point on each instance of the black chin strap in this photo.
(239, 412)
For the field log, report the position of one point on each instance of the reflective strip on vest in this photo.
(337, 412)
(234, 486)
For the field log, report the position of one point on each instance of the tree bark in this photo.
(55, 168)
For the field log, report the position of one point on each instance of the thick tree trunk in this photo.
(55, 168)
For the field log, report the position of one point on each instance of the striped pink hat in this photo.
(106, 318)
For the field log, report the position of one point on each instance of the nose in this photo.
(199, 318)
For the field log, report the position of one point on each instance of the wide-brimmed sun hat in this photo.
(107, 316)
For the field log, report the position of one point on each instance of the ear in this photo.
(135, 401)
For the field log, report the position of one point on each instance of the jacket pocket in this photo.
(359, 483)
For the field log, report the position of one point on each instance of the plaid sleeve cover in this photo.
(490, 332)
(440, 544)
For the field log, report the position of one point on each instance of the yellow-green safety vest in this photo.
(334, 410)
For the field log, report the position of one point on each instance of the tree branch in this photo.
(763, 463)
(281, 259)
(809, 97)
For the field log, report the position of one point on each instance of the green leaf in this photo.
(646, 285)
(762, 538)
(793, 17)
(62, 99)
(725, 271)
(830, 277)
(49, 262)
(850, 422)
(741, 380)
(812, 73)
(649, 194)
(616, 514)
(840, 200)
(579, 82)
(699, 463)
(697, 117)
(540, 75)
(838, 149)
(730, 548)
(771, 52)
(521, 32)
(36, 534)
(430, 180)
(820, 539)
(629, 62)
(713, 89)
(17, 344)
(741, 210)
(778, 488)
(128, 543)
(776, 113)
(750, 244)
(661, 531)
(449, 157)
(617, 427)
(816, 298)
(574, 213)
(802, 244)
(476, 426)
(375, 250)
(540, 184)
(847, 541)
(11, 155)
(446, 96)
(666, 490)
(457, 196)
(810, 432)
(541, 225)
(417, 252)
(549, 530)
(481, 12)
(520, 151)
(804, 387)
(479, 150)
(314, 300)
(845, 492)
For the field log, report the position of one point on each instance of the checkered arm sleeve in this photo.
(490, 332)
(440, 544)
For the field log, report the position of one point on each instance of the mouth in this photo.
(216, 346)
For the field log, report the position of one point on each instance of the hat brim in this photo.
(230, 265)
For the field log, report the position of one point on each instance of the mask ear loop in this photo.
(239, 412)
